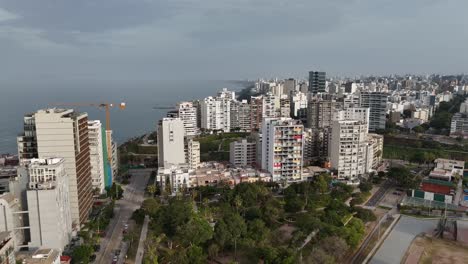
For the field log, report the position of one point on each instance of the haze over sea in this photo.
(21, 97)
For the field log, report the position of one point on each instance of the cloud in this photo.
(5, 15)
(213, 39)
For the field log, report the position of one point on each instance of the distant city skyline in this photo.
(223, 40)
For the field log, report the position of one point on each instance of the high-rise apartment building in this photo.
(216, 113)
(316, 144)
(321, 111)
(96, 155)
(242, 153)
(48, 203)
(62, 133)
(317, 82)
(270, 105)
(240, 115)
(348, 149)
(459, 125)
(256, 113)
(187, 112)
(374, 152)
(285, 108)
(192, 153)
(353, 113)
(289, 86)
(377, 103)
(282, 148)
(298, 102)
(171, 142)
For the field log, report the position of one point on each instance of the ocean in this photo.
(138, 118)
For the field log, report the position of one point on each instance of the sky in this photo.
(221, 39)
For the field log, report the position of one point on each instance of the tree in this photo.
(151, 189)
(365, 215)
(418, 157)
(195, 255)
(419, 129)
(319, 256)
(229, 230)
(321, 183)
(150, 206)
(213, 250)
(196, 231)
(257, 231)
(403, 177)
(81, 254)
(334, 246)
(174, 215)
(365, 186)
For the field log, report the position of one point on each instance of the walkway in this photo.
(141, 244)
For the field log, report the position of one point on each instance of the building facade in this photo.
(348, 150)
(317, 82)
(282, 148)
(48, 202)
(96, 156)
(192, 153)
(242, 153)
(171, 142)
(320, 112)
(62, 133)
(10, 218)
(188, 113)
(377, 103)
(240, 116)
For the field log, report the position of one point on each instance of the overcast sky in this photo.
(221, 39)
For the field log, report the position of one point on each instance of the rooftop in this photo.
(42, 256)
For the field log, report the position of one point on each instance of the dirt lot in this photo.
(429, 250)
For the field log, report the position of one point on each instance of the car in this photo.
(396, 193)
(92, 258)
(126, 226)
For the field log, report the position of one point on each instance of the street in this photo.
(133, 196)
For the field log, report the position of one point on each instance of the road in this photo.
(377, 197)
(396, 244)
(141, 243)
(132, 198)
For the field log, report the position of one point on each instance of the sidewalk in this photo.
(141, 244)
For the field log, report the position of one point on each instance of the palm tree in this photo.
(152, 189)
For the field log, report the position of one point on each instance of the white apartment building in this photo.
(48, 203)
(374, 152)
(282, 148)
(188, 113)
(348, 150)
(242, 153)
(192, 154)
(270, 104)
(62, 133)
(353, 113)
(178, 177)
(171, 142)
(377, 103)
(240, 115)
(10, 218)
(216, 113)
(96, 154)
(298, 102)
(459, 125)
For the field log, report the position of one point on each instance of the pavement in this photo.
(141, 243)
(398, 241)
(458, 193)
(377, 197)
(132, 198)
